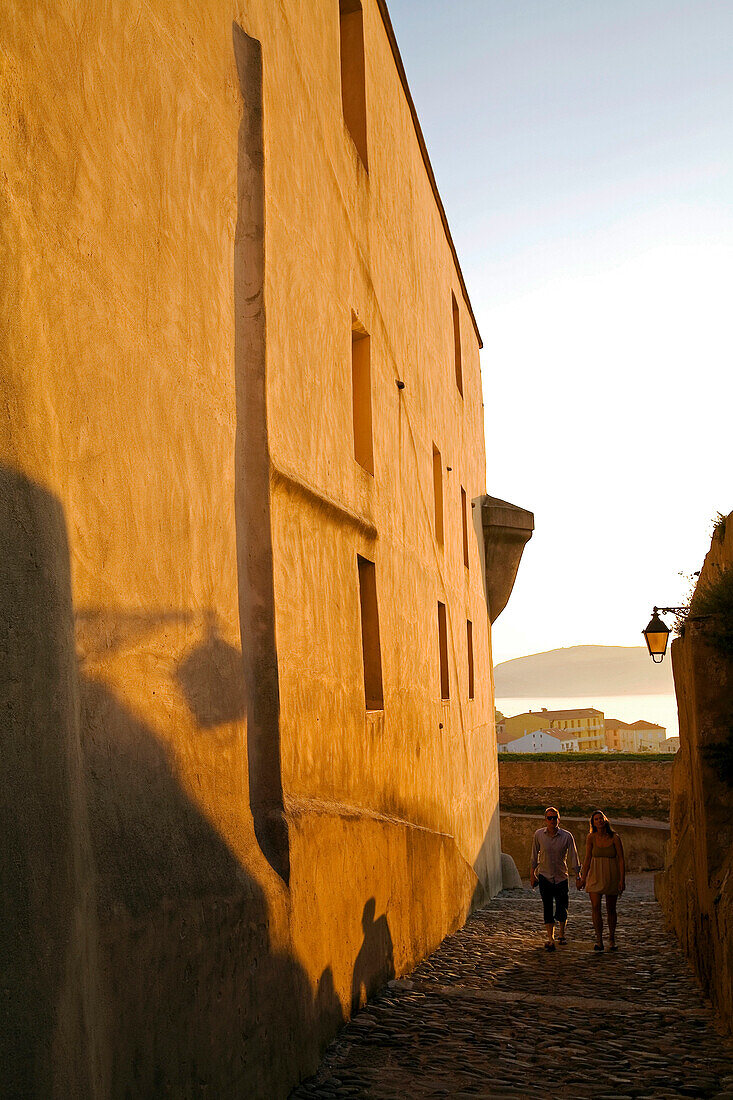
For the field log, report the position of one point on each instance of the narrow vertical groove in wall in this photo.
(443, 651)
(361, 391)
(252, 471)
(464, 523)
(469, 656)
(371, 648)
(457, 344)
(438, 494)
(353, 75)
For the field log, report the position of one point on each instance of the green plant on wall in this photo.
(714, 601)
(718, 532)
(719, 526)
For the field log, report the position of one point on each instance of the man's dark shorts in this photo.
(556, 892)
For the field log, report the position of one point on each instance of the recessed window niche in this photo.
(353, 75)
(371, 649)
(361, 392)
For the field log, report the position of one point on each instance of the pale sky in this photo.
(584, 154)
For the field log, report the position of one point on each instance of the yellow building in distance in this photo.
(586, 725)
(634, 736)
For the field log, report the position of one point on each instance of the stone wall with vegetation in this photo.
(622, 788)
(696, 888)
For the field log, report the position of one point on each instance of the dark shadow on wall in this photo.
(490, 849)
(252, 470)
(49, 1021)
(202, 1003)
(175, 943)
(151, 843)
(374, 965)
(210, 677)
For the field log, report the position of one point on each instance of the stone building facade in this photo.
(634, 736)
(542, 740)
(250, 759)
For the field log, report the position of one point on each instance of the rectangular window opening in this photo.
(438, 494)
(469, 651)
(443, 649)
(371, 649)
(361, 390)
(464, 520)
(457, 344)
(353, 75)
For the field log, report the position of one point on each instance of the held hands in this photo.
(579, 882)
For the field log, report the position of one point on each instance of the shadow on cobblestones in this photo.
(491, 1014)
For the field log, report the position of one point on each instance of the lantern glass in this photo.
(657, 636)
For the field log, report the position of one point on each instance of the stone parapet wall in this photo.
(644, 841)
(622, 788)
(696, 887)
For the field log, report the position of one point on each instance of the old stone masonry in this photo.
(491, 1014)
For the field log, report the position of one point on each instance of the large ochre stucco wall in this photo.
(372, 245)
(178, 598)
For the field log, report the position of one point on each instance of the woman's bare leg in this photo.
(611, 900)
(595, 901)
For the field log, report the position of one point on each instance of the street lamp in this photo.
(657, 632)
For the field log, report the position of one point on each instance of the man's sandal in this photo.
(598, 947)
(562, 940)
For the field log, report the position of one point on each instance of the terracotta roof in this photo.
(588, 712)
(616, 724)
(645, 726)
(559, 735)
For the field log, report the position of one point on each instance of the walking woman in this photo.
(603, 872)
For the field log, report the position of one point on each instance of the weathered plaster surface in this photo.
(210, 842)
(696, 888)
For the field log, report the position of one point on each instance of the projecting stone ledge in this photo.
(506, 530)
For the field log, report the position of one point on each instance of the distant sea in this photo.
(661, 709)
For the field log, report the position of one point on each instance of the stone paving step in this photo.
(491, 1014)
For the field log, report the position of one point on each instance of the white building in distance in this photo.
(539, 741)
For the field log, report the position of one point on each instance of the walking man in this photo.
(551, 849)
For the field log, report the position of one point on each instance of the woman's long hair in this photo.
(605, 827)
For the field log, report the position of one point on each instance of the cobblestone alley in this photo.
(491, 1014)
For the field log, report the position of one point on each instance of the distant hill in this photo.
(584, 670)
